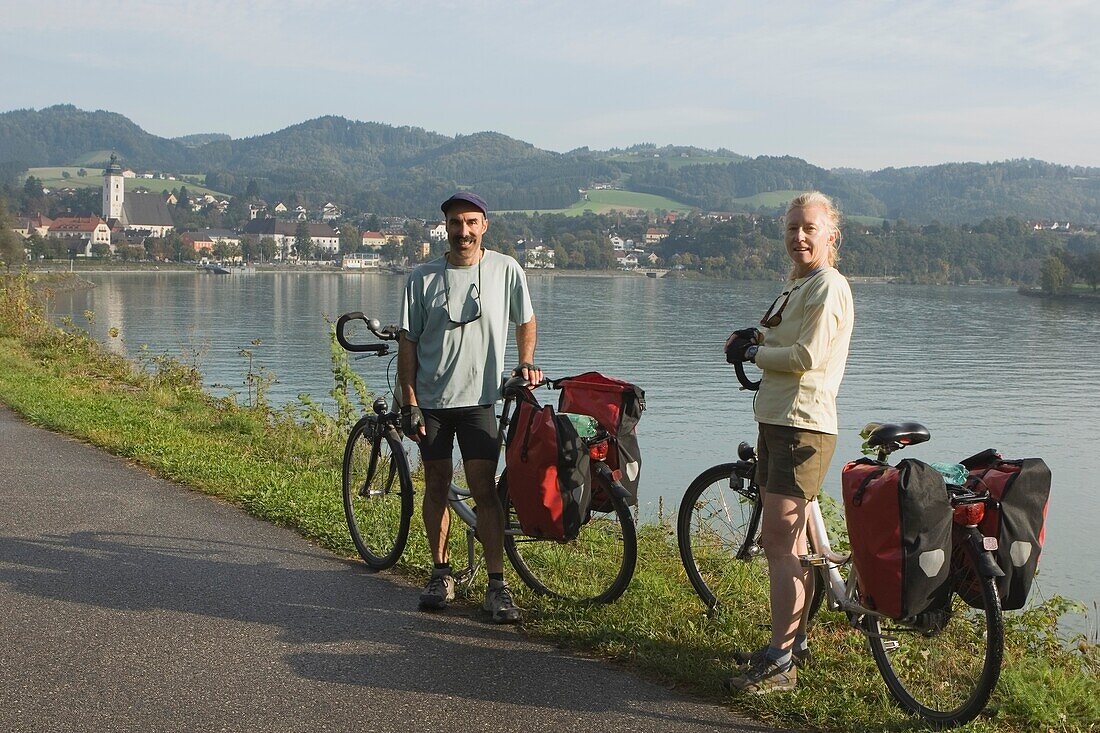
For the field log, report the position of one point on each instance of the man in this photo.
(454, 328)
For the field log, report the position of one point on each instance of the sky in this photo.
(840, 84)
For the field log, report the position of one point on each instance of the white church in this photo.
(140, 213)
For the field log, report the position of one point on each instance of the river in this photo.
(980, 367)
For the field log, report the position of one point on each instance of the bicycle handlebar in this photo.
(389, 333)
(513, 385)
(746, 383)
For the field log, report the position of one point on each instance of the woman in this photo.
(802, 353)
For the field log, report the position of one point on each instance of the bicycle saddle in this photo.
(898, 435)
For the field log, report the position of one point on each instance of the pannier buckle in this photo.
(989, 543)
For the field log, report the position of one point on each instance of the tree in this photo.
(267, 249)
(350, 239)
(1054, 275)
(253, 190)
(82, 173)
(250, 247)
(1090, 270)
(66, 175)
(11, 244)
(303, 243)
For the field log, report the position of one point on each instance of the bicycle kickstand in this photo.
(466, 575)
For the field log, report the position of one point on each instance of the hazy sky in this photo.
(856, 84)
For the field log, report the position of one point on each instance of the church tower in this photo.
(112, 189)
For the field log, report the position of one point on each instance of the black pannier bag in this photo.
(1022, 488)
(617, 407)
(899, 528)
(546, 474)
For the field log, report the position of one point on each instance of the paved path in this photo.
(128, 603)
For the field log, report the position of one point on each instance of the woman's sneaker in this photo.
(763, 675)
(439, 591)
(500, 606)
(802, 657)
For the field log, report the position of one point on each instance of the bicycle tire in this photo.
(596, 567)
(713, 525)
(929, 672)
(378, 493)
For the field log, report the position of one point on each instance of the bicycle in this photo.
(941, 665)
(378, 490)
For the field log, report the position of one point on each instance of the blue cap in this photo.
(470, 198)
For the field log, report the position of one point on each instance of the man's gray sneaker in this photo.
(440, 590)
(500, 606)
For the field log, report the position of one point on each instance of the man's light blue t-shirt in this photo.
(460, 365)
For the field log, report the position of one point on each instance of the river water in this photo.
(980, 367)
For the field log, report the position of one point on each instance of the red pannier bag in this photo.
(899, 528)
(1022, 489)
(546, 470)
(617, 407)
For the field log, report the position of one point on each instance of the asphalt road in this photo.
(129, 603)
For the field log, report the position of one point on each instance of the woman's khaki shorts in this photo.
(793, 461)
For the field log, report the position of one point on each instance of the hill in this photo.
(408, 170)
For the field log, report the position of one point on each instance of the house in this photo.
(87, 230)
(373, 240)
(284, 233)
(627, 261)
(617, 243)
(536, 257)
(204, 240)
(330, 212)
(129, 174)
(280, 208)
(438, 233)
(654, 235)
(362, 261)
(36, 224)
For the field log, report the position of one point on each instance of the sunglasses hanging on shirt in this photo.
(473, 295)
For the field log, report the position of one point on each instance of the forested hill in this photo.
(405, 170)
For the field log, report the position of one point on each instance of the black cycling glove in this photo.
(744, 338)
(412, 419)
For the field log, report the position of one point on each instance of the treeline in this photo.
(1004, 250)
(390, 170)
(716, 187)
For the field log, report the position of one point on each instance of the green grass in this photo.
(607, 201)
(52, 178)
(284, 466)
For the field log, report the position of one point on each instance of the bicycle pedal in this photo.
(813, 560)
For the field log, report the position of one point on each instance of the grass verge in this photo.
(283, 465)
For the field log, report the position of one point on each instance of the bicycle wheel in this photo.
(378, 493)
(718, 531)
(945, 668)
(595, 567)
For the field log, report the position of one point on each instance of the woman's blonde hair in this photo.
(816, 198)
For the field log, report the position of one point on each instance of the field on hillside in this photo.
(98, 158)
(52, 178)
(673, 161)
(606, 201)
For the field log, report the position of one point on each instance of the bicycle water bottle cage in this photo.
(890, 437)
